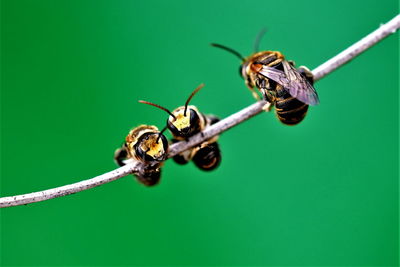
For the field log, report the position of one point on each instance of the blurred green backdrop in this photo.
(324, 192)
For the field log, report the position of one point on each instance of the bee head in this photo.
(184, 124)
(184, 121)
(244, 67)
(151, 147)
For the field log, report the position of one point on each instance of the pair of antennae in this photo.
(167, 110)
(236, 53)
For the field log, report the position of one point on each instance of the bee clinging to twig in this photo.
(281, 84)
(186, 121)
(148, 145)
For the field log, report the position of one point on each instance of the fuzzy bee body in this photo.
(206, 156)
(272, 74)
(288, 108)
(289, 89)
(183, 123)
(148, 145)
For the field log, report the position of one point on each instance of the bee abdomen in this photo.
(287, 103)
(289, 110)
(183, 157)
(292, 115)
(208, 158)
(149, 177)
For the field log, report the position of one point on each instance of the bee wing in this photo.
(293, 82)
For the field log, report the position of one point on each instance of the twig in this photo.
(211, 131)
(68, 189)
(219, 127)
(342, 58)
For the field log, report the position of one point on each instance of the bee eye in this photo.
(194, 119)
(241, 70)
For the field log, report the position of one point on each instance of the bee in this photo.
(186, 121)
(148, 145)
(290, 90)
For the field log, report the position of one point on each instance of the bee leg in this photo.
(264, 92)
(267, 107)
(254, 93)
(181, 158)
(120, 155)
(307, 74)
(263, 84)
(291, 62)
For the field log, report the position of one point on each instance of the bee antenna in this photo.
(191, 96)
(160, 134)
(229, 50)
(258, 39)
(157, 106)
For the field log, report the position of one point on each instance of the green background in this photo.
(324, 192)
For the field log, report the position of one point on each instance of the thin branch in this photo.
(221, 126)
(68, 189)
(342, 58)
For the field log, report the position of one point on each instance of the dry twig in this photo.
(223, 125)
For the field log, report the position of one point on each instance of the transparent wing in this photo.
(293, 82)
